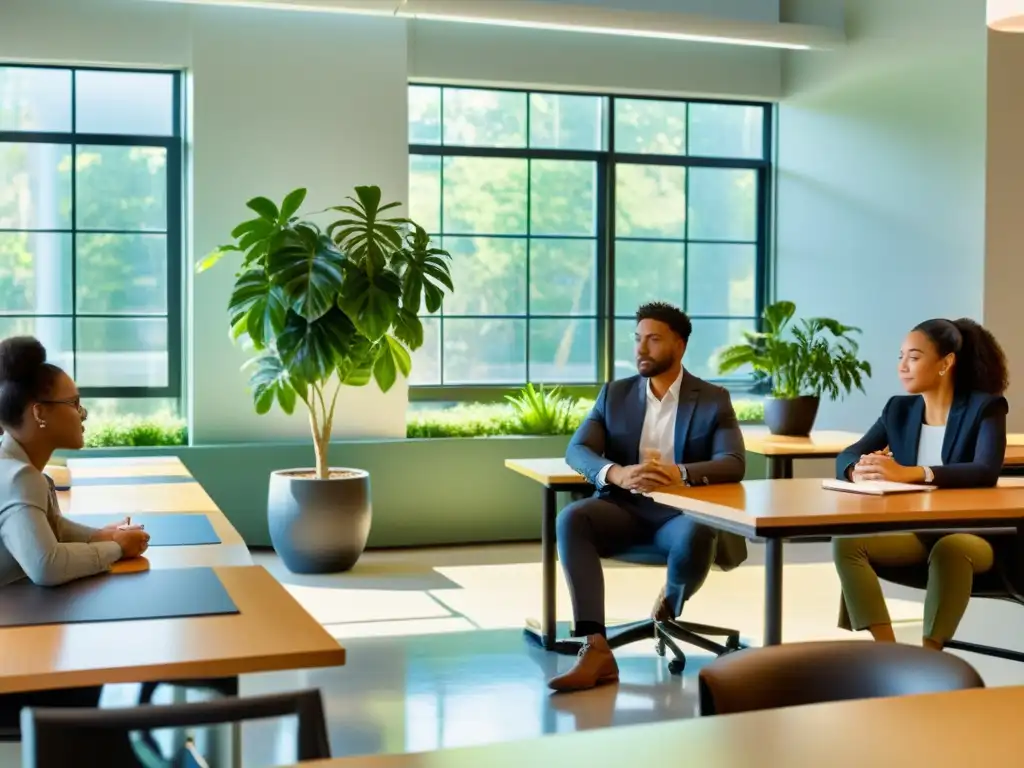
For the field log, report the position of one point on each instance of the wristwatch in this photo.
(684, 476)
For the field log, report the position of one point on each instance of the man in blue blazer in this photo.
(661, 427)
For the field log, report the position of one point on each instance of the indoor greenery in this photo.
(136, 431)
(322, 308)
(543, 412)
(496, 419)
(817, 356)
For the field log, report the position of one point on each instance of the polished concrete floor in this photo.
(436, 656)
(437, 659)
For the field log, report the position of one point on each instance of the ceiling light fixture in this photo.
(1006, 15)
(620, 31)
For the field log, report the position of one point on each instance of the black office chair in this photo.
(997, 584)
(122, 738)
(807, 673)
(667, 632)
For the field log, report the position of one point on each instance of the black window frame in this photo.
(174, 147)
(606, 161)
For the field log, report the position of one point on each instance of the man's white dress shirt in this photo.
(659, 429)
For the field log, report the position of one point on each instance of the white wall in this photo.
(283, 100)
(881, 179)
(1004, 269)
(491, 55)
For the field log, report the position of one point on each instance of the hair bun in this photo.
(21, 357)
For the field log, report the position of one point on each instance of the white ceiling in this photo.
(736, 22)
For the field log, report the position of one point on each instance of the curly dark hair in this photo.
(25, 376)
(980, 361)
(671, 316)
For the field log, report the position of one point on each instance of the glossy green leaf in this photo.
(261, 225)
(213, 257)
(409, 328)
(264, 207)
(261, 304)
(385, 371)
(291, 204)
(312, 351)
(308, 267)
(267, 381)
(371, 303)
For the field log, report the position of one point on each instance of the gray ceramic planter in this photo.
(319, 526)
(792, 417)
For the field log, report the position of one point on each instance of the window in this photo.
(564, 212)
(90, 226)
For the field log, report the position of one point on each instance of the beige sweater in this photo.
(35, 539)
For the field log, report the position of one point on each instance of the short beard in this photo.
(659, 367)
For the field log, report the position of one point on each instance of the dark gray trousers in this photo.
(595, 528)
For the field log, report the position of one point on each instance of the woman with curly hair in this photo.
(949, 431)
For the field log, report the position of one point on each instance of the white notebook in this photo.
(875, 487)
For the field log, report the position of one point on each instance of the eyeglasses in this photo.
(74, 402)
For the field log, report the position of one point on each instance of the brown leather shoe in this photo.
(596, 665)
(662, 611)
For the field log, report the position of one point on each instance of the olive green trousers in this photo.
(952, 563)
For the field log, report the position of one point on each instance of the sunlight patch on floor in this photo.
(504, 595)
(345, 606)
(400, 628)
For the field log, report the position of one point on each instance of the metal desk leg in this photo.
(549, 559)
(780, 467)
(773, 592)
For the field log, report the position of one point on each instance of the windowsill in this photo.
(495, 393)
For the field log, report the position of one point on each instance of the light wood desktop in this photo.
(170, 498)
(270, 632)
(776, 510)
(945, 730)
(780, 451)
(168, 466)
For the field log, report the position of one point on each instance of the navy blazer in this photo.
(708, 442)
(973, 448)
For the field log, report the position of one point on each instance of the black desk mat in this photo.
(162, 594)
(165, 530)
(134, 480)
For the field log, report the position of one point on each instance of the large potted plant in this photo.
(322, 309)
(816, 357)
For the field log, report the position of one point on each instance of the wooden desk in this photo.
(775, 510)
(780, 451)
(944, 730)
(179, 498)
(270, 632)
(96, 468)
(555, 476)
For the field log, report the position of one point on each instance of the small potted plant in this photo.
(322, 309)
(817, 356)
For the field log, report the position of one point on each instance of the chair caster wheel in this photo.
(733, 644)
(676, 666)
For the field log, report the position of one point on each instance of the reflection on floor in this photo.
(436, 656)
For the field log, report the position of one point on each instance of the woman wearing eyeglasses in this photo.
(40, 413)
